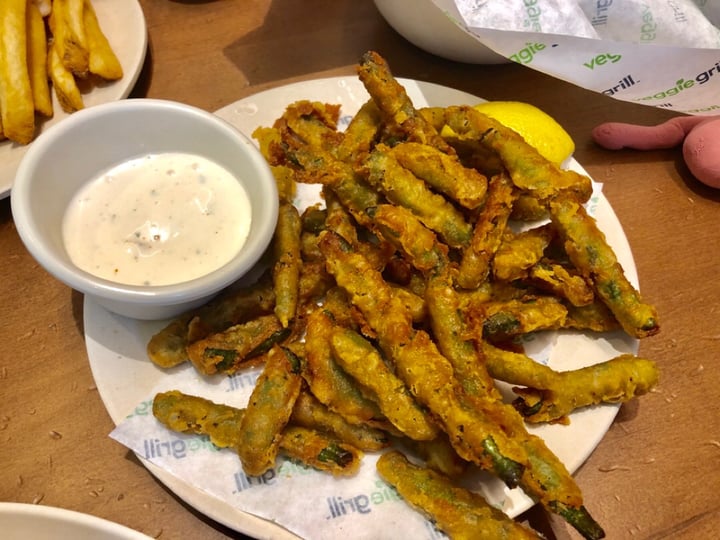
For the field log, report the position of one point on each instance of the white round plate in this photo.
(23, 521)
(124, 376)
(124, 25)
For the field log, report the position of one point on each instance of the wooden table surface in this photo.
(654, 475)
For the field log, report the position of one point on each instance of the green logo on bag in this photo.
(526, 54)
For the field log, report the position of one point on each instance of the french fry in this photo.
(102, 59)
(37, 46)
(74, 10)
(64, 84)
(35, 62)
(69, 38)
(18, 111)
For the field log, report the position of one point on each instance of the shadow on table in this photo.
(280, 42)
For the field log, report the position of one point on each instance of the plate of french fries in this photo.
(59, 56)
(402, 343)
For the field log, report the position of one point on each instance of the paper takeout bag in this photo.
(660, 53)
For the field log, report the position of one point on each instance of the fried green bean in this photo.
(328, 382)
(546, 475)
(515, 456)
(268, 411)
(313, 218)
(518, 253)
(359, 358)
(418, 363)
(595, 317)
(563, 282)
(168, 347)
(490, 437)
(460, 513)
(193, 414)
(439, 455)
(313, 122)
(338, 218)
(487, 233)
(319, 167)
(287, 263)
(401, 187)
(361, 133)
(310, 413)
(314, 283)
(236, 347)
(270, 142)
(414, 303)
(503, 320)
(528, 169)
(589, 251)
(443, 172)
(184, 413)
(549, 396)
(528, 208)
(403, 229)
(450, 330)
(319, 451)
(342, 222)
(394, 103)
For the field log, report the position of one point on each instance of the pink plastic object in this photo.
(699, 136)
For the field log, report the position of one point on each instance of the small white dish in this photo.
(20, 521)
(67, 156)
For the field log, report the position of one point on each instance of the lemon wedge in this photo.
(537, 127)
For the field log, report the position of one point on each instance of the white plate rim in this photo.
(124, 24)
(243, 114)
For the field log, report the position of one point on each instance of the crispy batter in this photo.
(394, 104)
(403, 188)
(458, 512)
(487, 233)
(445, 173)
(362, 361)
(287, 263)
(221, 423)
(590, 253)
(549, 395)
(268, 411)
(238, 346)
(527, 168)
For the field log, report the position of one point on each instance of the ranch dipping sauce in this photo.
(159, 219)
